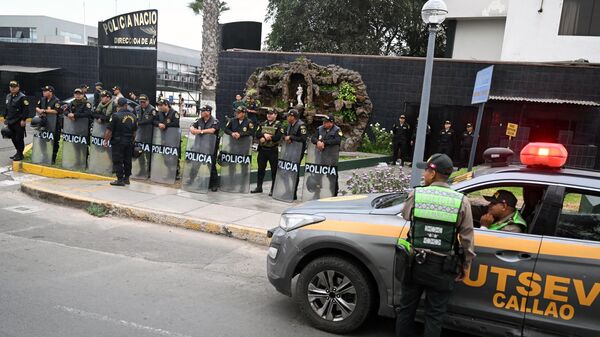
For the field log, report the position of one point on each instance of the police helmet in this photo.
(39, 122)
(6, 132)
(137, 151)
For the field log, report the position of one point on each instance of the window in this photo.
(580, 217)
(580, 17)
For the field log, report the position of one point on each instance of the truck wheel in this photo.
(334, 294)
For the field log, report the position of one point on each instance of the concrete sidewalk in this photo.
(242, 216)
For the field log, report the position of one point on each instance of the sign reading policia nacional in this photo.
(136, 29)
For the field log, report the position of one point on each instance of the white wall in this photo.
(533, 36)
(479, 39)
(458, 9)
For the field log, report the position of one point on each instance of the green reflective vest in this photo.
(517, 219)
(434, 218)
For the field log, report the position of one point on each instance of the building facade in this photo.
(524, 31)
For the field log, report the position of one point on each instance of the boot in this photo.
(117, 182)
(126, 181)
(257, 190)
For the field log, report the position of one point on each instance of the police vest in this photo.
(434, 218)
(517, 219)
(271, 130)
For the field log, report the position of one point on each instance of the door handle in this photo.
(512, 256)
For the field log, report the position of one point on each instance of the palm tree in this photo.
(210, 9)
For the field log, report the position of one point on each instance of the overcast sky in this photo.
(177, 24)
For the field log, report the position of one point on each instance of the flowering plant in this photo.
(382, 142)
(385, 180)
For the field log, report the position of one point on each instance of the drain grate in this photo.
(23, 209)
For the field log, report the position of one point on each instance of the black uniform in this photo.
(145, 116)
(123, 125)
(446, 142)
(81, 108)
(53, 104)
(17, 110)
(465, 147)
(401, 142)
(268, 152)
(244, 128)
(97, 98)
(329, 137)
(169, 119)
(297, 133)
(211, 123)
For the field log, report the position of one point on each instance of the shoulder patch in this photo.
(177, 115)
(57, 105)
(229, 122)
(153, 112)
(303, 129)
(39, 102)
(245, 129)
(340, 133)
(88, 105)
(110, 119)
(25, 102)
(250, 125)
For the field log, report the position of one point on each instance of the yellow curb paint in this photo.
(28, 148)
(52, 172)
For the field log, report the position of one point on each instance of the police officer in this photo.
(117, 93)
(121, 133)
(208, 125)
(465, 145)
(17, 106)
(401, 141)
(441, 247)
(79, 107)
(49, 104)
(98, 89)
(252, 106)
(295, 132)
(446, 140)
(328, 134)
(268, 134)
(166, 116)
(240, 126)
(84, 88)
(145, 112)
(105, 108)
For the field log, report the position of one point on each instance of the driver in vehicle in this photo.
(501, 213)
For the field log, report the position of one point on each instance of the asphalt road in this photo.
(65, 273)
(7, 149)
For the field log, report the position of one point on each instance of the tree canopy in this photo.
(198, 5)
(376, 27)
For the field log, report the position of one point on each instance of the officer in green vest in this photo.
(502, 213)
(441, 247)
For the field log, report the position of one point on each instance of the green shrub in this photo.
(382, 144)
(97, 210)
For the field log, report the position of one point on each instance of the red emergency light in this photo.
(544, 154)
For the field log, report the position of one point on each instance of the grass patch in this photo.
(97, 210)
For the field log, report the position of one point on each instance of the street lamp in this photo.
(433, 13)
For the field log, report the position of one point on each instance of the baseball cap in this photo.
(447, 122)
(269, 112)
(98, 84)
(143, 97)
(439, 162)
(13, 84)
(502, 196)
(241, 108)
(206, 108)
(116, 87)
(84, 86)
(48, 88)
(402, 116)
(77, 91)
(469, 125)
(329, 118)
(105, 93)
(163, 101)
(293, 112)
(122, 101)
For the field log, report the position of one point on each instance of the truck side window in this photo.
(580, 216)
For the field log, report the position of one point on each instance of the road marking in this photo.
(8, 183)
(120, 322)
(23, 209)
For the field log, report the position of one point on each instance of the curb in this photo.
(253, 235)
(53, 172)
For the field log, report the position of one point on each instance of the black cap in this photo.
(447, 122)
(13, 84)
(293, 112)
(77, 90)
(122, 101)
(439, 162)
(143, 97)
(469, 125)
(329, 118)
(116, 87)
(271, 111)
(84, 86)
(105, 93)
(241, 108)
(206, 108)
(502, 196)
(48, 88)
(98, 84)
(163, 101)
(402, 116)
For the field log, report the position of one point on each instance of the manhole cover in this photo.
(23, 209)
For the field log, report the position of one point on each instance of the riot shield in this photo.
(43, 142)
(100, 158)
(199, 158)
(75, 143)
(288, 168)
(165, 155)
(235, 159)
(140, 167)
(320, 172)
